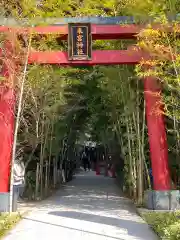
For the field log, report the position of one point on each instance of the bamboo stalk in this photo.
(142, 147)
(140, 159)
(46, 178)
(37, 181)
(50, 152)
(129, 132)
(54, 172)
(41, 156)
(17, 125)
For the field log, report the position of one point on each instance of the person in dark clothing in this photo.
(151, 176)
(85, 160)
(93, 157)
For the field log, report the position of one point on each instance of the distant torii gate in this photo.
(152, 93)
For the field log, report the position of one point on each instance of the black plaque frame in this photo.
(71, 41)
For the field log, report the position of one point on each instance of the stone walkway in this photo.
(89, 208)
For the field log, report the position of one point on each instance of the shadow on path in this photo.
(129, 225)
(76, 229)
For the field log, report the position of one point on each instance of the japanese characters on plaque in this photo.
(79, 41)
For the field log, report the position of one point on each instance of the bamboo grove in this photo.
(60, 104)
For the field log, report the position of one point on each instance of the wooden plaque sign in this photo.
(79, 41)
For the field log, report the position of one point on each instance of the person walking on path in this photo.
(93, 158)
(85, 161)
(18, 181)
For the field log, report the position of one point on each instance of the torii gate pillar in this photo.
(157, 135)
(7, 110)
(162, 197)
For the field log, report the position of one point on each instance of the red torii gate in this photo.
(152, 94)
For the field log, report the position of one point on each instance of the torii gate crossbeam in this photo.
(99, 57)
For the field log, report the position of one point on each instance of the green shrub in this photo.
(173, 231)
(7, 221)
(165, 224)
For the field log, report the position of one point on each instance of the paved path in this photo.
(88, 208)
